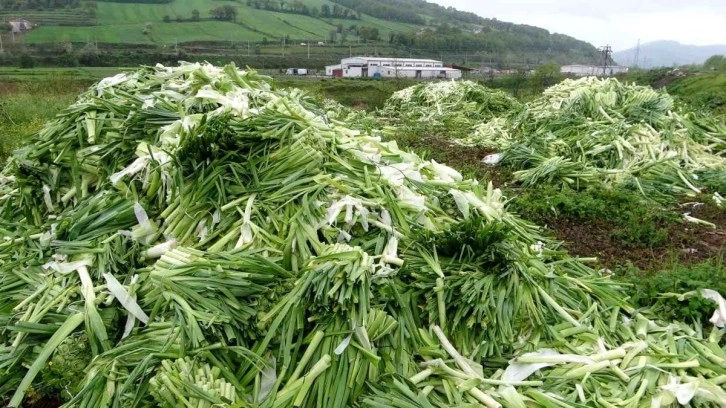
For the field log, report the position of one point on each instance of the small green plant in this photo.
(636, 222)
(650, 289)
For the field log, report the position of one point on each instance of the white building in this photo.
(589, 70)
(375, 67)
(20, 25)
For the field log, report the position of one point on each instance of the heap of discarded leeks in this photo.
(446, 106)
(212, 241)
(590, 130)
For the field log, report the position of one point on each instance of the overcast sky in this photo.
(619, 23)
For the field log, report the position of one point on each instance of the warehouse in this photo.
(375, 67)
(588, 70)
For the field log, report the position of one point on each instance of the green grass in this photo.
(703, 90)
(11, 74)
(655, 288)
(25, 106)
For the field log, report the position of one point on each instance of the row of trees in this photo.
(559, 48)
(17, 5)
(384, 10)
(299, 7)
(366, 34)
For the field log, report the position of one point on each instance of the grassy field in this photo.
(703, 90)
(125, 23)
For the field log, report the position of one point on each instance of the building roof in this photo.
(392, 58)
(591, 66)
(423, 68)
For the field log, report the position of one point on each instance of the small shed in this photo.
(20, 25)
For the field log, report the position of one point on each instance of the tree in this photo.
(369, 34)
(5, 27)
(333, 36)
(167, 19)
(264, 40)
(547, 75)
(224, 13)
(195, 15)
(26, 61)
(715, 63)
(325, 10)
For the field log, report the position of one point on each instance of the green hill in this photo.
(400, 27)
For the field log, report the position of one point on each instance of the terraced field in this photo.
(70, 17)
(125, 23)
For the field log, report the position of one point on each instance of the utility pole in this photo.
(308, 49)
(248, 48)
(637, 54)
(607, 52)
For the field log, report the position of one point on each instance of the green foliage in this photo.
(637, 222)
(26, 61)
(224, 13)
(649, 288)
(715, 63)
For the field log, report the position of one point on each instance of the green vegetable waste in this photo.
(208, 240)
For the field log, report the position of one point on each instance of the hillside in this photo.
(404, 27)
(668, 54)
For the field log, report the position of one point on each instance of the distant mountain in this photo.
(668, 53)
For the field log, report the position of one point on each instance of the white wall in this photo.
(352, 72)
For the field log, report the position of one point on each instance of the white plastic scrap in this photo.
(493, 159)
(719, 316)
